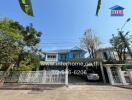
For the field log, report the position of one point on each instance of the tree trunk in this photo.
(119, 55)
(124, 54)
(2, 80)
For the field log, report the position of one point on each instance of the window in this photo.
(52, 56)
(63, 57)
(105, 55)
(76, 54)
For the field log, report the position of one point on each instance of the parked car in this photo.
(93, 76)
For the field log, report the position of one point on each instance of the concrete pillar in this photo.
(46, 57)
(66, 76)
(121, 76)
(110, 75)
(57, 57)
(44, 77)
(102, 72)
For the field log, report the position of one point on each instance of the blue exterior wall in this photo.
(62, 57)
(69, 55)
(82, 54)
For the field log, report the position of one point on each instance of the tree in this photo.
(90, 42)
(10, 37)
(31, 37)
(9, 47)
(15, 40)
(119, 46)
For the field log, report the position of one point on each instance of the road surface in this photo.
(73, 92)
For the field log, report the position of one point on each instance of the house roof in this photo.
(64, 50)
(76, 48)
(76, 60)
(85, 60)
(58, 51)
(117, 8)
(105, 49)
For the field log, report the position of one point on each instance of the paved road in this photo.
(73, 92)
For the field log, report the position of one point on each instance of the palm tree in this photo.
(26, 6)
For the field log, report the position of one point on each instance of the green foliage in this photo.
(26, 6)
(119, 45)
(11, 28)
(31, 36)
(34, 60)
(24, 66)
(30, 62)
(13, 41)
(116, 42)
(10, 37)
(98, 7)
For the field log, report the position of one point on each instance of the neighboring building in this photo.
(109, 54)
(64, 54)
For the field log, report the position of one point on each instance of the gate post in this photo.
(102, 72)
(66, 76)
(130, 74)
(121, 76)
(44, 77)
(111, 80)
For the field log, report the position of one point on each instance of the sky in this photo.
(63, 22)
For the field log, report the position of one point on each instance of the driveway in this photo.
(73, 92)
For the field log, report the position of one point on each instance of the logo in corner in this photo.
(117, 11)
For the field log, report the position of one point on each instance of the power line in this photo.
(58, 42)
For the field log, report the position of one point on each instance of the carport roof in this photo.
(85, 60)
(77, 60)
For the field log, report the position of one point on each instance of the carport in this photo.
(71, 69)
(76, 67)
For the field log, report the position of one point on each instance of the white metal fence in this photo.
(37, 77)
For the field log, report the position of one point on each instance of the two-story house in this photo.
(64, 54)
